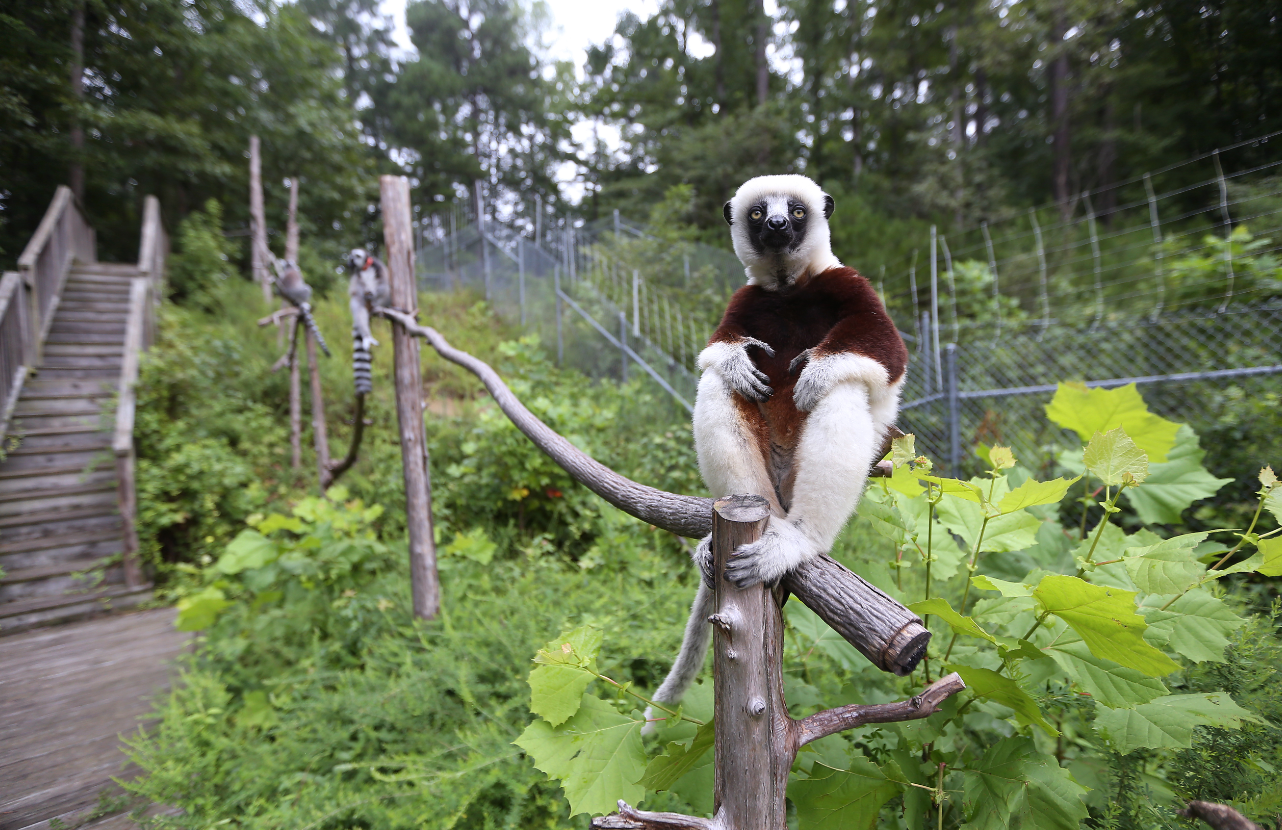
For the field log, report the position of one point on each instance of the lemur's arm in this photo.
(864, 345)
(727, 354)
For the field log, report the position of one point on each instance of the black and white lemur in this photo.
(799, 386)
(367, 287)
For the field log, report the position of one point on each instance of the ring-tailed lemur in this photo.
(291, 286)
(800, 383)
(367, 286)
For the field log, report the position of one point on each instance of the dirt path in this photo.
(66, 694)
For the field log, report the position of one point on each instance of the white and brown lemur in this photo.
(366, 287)
(800, 384)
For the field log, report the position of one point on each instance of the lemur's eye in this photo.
(756, 213)
(800, 213)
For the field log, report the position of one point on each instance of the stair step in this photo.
(77, 577)
(38, 407)
(68, 442)
(59, 529)
(41, 424)
(89, 293)
(99, 373)
(97, 495)
(39, 387)
(114, 349)
(26, 431)
(65, 316)
(106, 309)
(35, 488)
(30, 464)
(84, 278)
(87, 338)
(83, 362)
(105, 270)
(64, 326)
(25, 614)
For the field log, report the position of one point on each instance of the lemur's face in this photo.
(356, 260)
(779, 227)
(777, 223)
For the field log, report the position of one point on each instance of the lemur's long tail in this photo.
(361, 370)
(689, 660)
(306, 311)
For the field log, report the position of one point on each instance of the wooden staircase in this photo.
(67, 544)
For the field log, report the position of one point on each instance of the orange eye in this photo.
(800, 213)
(756, 213)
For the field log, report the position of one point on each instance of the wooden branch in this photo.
(1219, 816)
(280, 314)
(822, 724)
(320, 438)
(334, 471)
(287, 359)
(630, 818)
(883, 630)
(295, 399)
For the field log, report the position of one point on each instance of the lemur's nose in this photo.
(777, 223)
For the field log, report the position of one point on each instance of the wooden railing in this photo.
(140, 330)
(29, 297)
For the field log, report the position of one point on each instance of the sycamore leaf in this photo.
(1001, 458)
(678, 759)
(1174, 485)
(993, 686)
(1087, 411)
(1115, 459)
(1267, 560)
(1106, 621)
(972, 490)
(958, 623)
(1015, 531)
(248, 551)
(1032, 493)
(565, 670)
(1272, 492)
(199, 610)
(843, 799)
(597, 755)
(1196, 626)
(1169, 567)
(1168, 722)
(1107, 682)
(276, 521)
(1015, 784)
(1008, 589)
(815, 634)
(903, 450)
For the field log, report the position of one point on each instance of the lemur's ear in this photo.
(829, 206)
(725, 211)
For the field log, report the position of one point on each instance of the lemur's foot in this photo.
(780, 549)
(702, 557)
(816, 381)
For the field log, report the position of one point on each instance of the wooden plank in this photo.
(61, 531)
(109, 544)
(30, 488)
(92, 495)
(61, 198)
(49, 462)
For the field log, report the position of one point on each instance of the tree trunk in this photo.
(958, 133)
(291, 223)
(719, 65)
(759, 53)
(1057, 83)
(409, 399)
(295, 400)
(981, 105)
(76, 173)
(1106, 162)
(258, 222)
(320, 437)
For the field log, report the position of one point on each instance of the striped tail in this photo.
(361, 370)
(306, 311)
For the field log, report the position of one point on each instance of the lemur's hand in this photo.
(780, 549)
(741, 374)
(702, 557)
(814, 383)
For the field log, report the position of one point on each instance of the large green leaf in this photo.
(597, 755)
(1169, 721)
(199, 610)
(844, 799)
(1014, 785)
(1105, 619)
(566, 668)
(1032, 493)
(988, 684)
(814, 634)
(1107, 682)
(1015, 531)
(1266, 560)
(1196, 626)
(249, 550)
(678, 759)
(939, 607)
(1087, 411)
(1169, 567)
(1115, 459)
(1174, 485)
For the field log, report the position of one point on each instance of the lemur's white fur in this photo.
(851, 404)
(813, 255)
(365, 286)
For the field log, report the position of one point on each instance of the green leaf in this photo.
(1014, 784)
(1169, 567)
(1008, 589)
(597, 755)
(276, 522)
(249, 550)
(566, 668)
(1032, 493)
(678, 759)
(1196, 626)
(574, 648)
(199, 610)
(1105, 619)
(1115, 459)
(1107, 682)
(474, 545)
(1015, 531)
(1087, 411)
(844, 799)
(1001, 458)
(958, 623)
(1174, 485)
(815, 634)
(903, 450)
(1266, 560)
(1168, 722)
(989, 684)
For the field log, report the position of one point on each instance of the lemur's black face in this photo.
(356, 260)
(777, 223)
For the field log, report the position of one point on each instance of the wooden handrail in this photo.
(61, 198)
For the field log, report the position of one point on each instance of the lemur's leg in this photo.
(360, 322)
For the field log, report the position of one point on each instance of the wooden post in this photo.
(395, 192)
(319, 437)
(291, 223)
(258, 222)
(295, 400)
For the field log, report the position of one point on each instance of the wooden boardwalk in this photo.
(66, 694)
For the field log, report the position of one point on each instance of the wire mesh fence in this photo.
(1178, 291)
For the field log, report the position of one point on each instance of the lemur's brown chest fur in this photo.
(834, 312)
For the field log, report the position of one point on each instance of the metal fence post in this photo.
(992, 266)
(934, 302)
(520, 275)
(636, 303)
(560, 342)
(1095, 259)
(1157, 245)
(1041, 272)
(1228, 231)
(954, 410)
(623, 343)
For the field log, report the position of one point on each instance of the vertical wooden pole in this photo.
(395, 191)
(258, 221)
(753, 739)
(291, 223)
(320, 439)
(295, 403)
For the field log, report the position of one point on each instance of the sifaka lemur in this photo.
(799, 386)
(366, 287)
